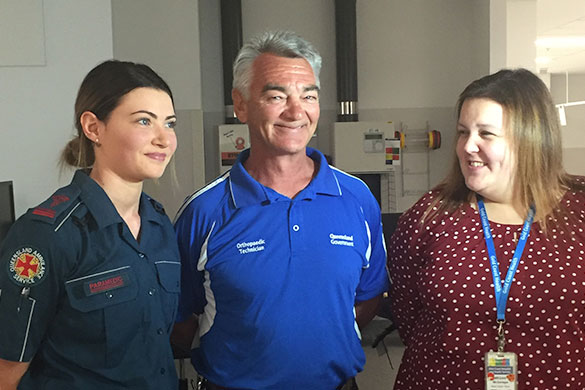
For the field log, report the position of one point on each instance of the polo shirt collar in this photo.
(325, 182)
(246, 191)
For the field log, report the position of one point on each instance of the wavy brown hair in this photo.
(533, 128)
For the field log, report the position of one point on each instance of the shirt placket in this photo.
(296, 228)
(151, 292)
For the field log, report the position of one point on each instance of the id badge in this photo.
(501, 371)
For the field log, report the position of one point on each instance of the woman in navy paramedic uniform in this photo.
(89, 279)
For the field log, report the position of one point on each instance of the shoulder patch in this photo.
(27, 266)
(50, 209)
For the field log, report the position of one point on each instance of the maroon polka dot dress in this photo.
(443, 299)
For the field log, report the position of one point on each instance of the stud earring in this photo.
(97, 142)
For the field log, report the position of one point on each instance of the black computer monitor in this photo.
(7, 214)
(372, 180)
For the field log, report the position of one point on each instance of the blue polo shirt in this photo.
(85, 303)
(274, 280)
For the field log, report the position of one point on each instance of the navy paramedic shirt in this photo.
(81, 298)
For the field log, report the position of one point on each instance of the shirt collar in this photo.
(101, 207)
(151, 210)
(246, 191)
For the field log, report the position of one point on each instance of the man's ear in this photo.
(91, 126)
(240, 105)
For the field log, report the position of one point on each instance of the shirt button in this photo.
(162, 371)
(160, 331)
(152, 291)
(296, 228)
(109, 295)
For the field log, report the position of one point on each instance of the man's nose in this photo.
(294, 109)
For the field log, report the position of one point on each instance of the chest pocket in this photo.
(169, 273)
(106, 312)
(101, 290)
(169, 277)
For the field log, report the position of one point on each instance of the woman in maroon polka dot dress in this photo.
(508, 152)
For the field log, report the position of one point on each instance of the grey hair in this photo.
(281, 43)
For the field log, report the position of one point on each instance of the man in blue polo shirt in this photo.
(283, 257)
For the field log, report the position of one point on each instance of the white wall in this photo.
(498, 34)
(522, 32)
(36, 102)
(513, 30)
(23, 38)
(416, 53)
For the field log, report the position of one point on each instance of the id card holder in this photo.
(501, 371)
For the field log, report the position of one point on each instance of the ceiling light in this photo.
(561, 42)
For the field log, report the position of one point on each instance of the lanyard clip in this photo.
(501, 337)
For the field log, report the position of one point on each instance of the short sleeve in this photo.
(30, 286)
(405, 260)
(374, 278)
(190, 240)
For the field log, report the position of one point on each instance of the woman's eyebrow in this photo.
(152, 114)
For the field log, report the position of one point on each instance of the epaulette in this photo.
(157, 206)
(51, 209)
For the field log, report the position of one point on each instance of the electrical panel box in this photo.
(232, 140)
(361, 147)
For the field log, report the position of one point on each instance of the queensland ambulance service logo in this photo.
(27, 266)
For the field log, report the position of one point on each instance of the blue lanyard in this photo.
(502, 292)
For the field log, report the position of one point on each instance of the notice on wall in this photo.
(232, 140)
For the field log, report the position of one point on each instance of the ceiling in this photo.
(561, 18)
